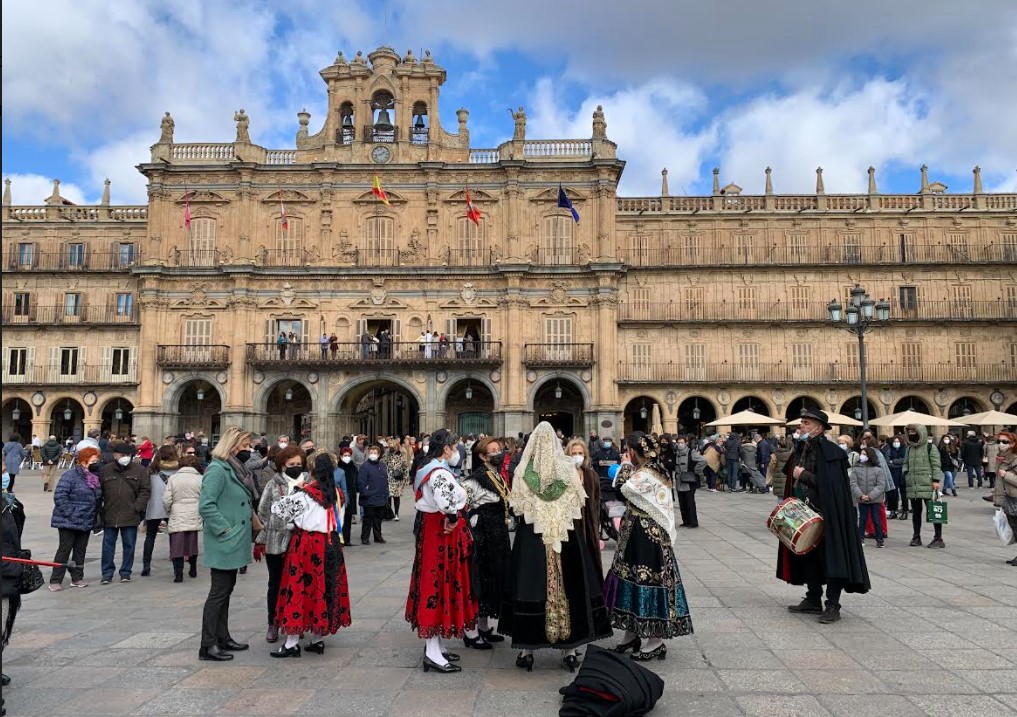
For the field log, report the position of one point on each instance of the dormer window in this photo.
(382, 108)
(347, 129)
(419, 130)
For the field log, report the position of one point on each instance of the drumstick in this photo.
(42, 563)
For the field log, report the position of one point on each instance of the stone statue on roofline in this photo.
(167, 124)
(520, 120)
(243, 126)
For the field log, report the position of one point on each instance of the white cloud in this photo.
(33, 189)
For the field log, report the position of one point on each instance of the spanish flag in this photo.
(377, 191)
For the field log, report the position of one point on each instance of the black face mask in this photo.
(243, 456)
(496, 459)
(308, 452)
(294, 471)
(93, 467)
(912, 438)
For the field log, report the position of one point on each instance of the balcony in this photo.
(704, 253)
(739, 204)
(213, 357)
(812, 312)
(73, 375)
(196, 258)
(42, 316)
(401, 354)
(558, 355)
(833, 373)
(33, 260)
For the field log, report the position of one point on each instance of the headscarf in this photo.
(547, 493)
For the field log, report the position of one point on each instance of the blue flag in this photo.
(565, 203)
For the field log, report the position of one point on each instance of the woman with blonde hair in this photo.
(225, 506)
(578, 451)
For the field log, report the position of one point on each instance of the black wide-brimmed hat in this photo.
(817, 415)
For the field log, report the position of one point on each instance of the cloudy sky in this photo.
(686, 84)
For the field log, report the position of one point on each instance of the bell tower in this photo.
(383, 109)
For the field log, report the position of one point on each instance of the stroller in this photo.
(754, 477)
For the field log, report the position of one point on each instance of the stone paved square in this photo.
(935, 636)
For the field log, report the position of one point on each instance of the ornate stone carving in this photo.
(519, 133)
(468, 294)
(166, 127)
(243, 125)
(599, 123)
(287, 294)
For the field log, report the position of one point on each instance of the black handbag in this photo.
(1009, 506)
(31, 576)
(98, 524)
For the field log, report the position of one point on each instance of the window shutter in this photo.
(54, 360)
(450, 328)
(396, 330)
(361, 328)
(107, 361)
(485, 329)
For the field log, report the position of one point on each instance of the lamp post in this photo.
(861, 316)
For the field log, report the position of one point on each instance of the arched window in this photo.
(202, 242)
(379, 244)
(557, 242)
(383, 127)
(347, 124)
(471, 243)
(419, 130)
(289, 240)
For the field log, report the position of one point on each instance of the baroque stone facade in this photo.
(167, 317)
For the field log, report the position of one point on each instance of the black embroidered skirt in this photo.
(492, 552)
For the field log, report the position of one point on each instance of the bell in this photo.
(383, 124)
(419, 122)
(347, 120)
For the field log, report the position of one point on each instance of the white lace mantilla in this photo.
(552, 520)
(648, 492)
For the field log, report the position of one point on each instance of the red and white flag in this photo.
(472, 213)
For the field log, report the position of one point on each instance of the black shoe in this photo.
(831, 614)
(954, 492)
(317, 647)
(892, 515)
(146, 571)
(903, 515)
(214, 653)
(633, 645)
(1008, 562)
(430, 664)
(178, 576)
(284, 651)
(806, 607)
(382, 541)
(491, 637)
(525, 662)
(365, 542)
(5, 679)
(477, 644)
(657, 653)
(125, 578)
(937, 543)
(570, 662)
(243, 570)
(193, 572)
(233, 646)
(450, 656)
(915, 541)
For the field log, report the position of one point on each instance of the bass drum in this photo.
(796, 525)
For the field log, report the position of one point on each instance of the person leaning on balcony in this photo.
(51, 451)
(333, 344)
(281, 344)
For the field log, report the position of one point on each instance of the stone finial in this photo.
(462, 114)
(105, 193)
(978, 180)
(55, 197)
(340, 59)
(925, 179)
(599, 123)
(716, 181)
(872, 181)
(664, 192)
(769, 181)
(7, 192)
(820, 187)
(166, 129)
(428, 60)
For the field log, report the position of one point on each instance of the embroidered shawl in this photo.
(650, 492)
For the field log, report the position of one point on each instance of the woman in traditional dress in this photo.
(554, 594)
(440, 604)
(644, 590)
(488, 506)
(313, 595)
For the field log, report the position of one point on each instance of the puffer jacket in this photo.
(732, 447)
(895, 458)
(748, 455)
(779, 479)
(972, 451)
(180, 500)
(867, 480)
(51, 451)
(74, 502)
(373, 484)
(1006, 478)
(125, 492)
(921, 466)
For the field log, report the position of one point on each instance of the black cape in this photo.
(839, 557)
(610, 685)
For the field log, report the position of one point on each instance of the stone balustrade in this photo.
(818, 202)
(557, 148)
(203, 152)
(485, 156)
(72, 213)
(280, 156)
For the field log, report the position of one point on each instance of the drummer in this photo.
(817, 474)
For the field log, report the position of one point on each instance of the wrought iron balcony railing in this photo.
(62, 315)
(824, 373)
(182, 356)
(558, 355)
(377, 354)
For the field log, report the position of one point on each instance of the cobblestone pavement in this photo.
(937, 636)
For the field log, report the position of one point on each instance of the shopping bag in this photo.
(1003, 529)
(935, 511)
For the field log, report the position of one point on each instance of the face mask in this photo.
(372, 457)
(928, 440)
(912, 438)
(896, 444)
(843, 447)
(93, 466)
(796, 435)
(282, 444)
(578, 460)
(425, 447)
(243, 456)
(495, 458)
(453, 460)
(607, 444)
(124, 460)
(308, 452)
(946, 441)
(345, 459)
(863, 458)
(294, 471)
(1005, 444)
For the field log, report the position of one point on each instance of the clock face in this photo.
(381, 155)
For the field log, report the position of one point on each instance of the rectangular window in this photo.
(1009, 242)
(906, 247)
(68, 362)
(289, 239)
(800, 301)
(1011, 298)
(72, 304)
(642, 354)
(125, 254)
(746, 298)
(26, 255)
(692, 245)
(198, 332)
(695, 304)
(964, 354)
(801, 355)
(957, 242)
(125, 304)
(746, 245)
(470, 243)
(910, 354)
(556, 247)
(558, 331)
(120, 362)
(22, 304)
(851, 354)
(798, 244)
(1011, 355)
(17, 362)
(748, 356)
(852, 248)
(962, 306)
(380, 242)
(695, 356)
(202, 244)
(75, 256)
(907, 297)
(640, 302)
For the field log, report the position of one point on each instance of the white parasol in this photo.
(921, 419)
(746, 418)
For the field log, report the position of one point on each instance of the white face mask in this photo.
(453, 460)
(124, 460)
(946, 441)
(843, 447)
(283, 444)
(372, 457)
(346, 459)
(896, 444)
(863, 458)
(425, 447)
(578, 459)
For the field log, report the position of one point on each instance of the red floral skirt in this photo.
(440, 600)
(314, 595)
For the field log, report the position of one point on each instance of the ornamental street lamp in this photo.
(861, 316)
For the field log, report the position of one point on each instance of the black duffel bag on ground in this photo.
(610, 685)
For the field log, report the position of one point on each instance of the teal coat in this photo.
(225, 508)
(922, 467)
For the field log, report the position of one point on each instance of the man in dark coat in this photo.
(817, 474)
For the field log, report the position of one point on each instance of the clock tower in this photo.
(383, 109)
